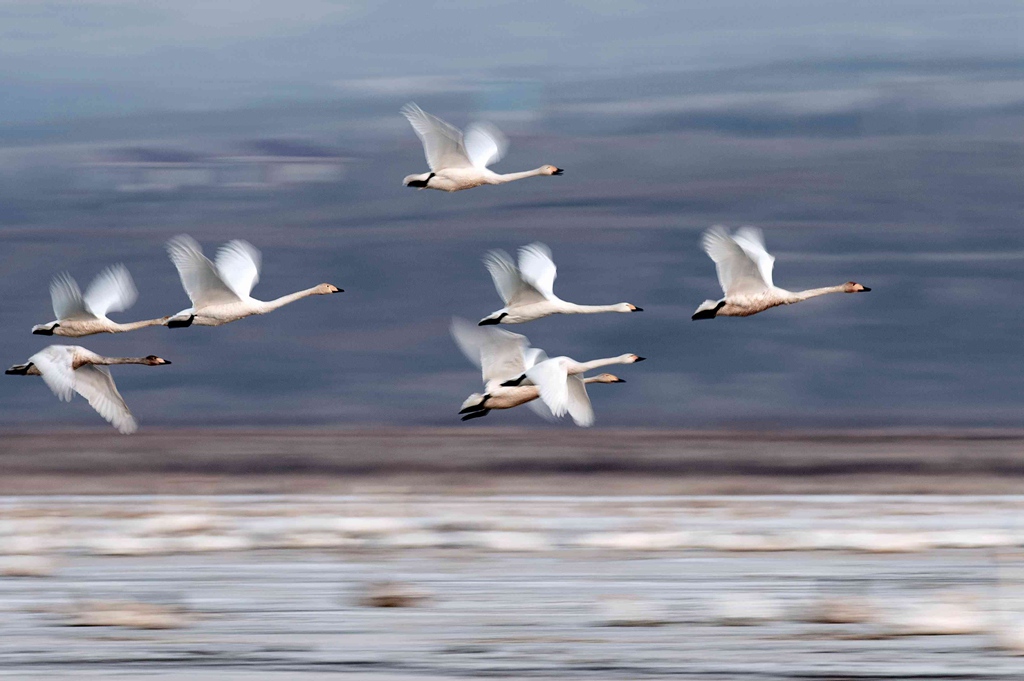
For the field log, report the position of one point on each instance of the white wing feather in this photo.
(738, 274)
(579, 406)
(199, 277)
(67, 299)
(96, 385)
(442, 142)
(484, 144)
(551, 378)
(751, 240)
(501, 355)
(538, 269)
(238, 264)
(55, 364)
(111, 291)
(508, 280)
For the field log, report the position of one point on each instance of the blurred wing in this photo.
(538, 269)
(738, 274)
(498, 353)
(484, 144)
(96, 385)
(552, 380)
(54, 363)
(751, 240)
(580, 410)
(111, 291)
(540, 409)
(67, 298)
(198, 275)
(238, 265)
(442, 142)
(511, 287)
(534, 356)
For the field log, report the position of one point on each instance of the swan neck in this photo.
(121, 360)
(131, 326)
(815, 292)
(597, 363)
(589, 309)
(511, 177)
(284, 300)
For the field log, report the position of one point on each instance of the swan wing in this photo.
(55, 364)
(512, 288)
(540, 409)
(751, 240)
(500, 354)
(738, 274)
(579, 406)
(442, 142)
(551, 378)
(111, 291)
(199, 277)
(538, 269)
(484, 144)
(238, 266)
(96, 385)
(67, 299)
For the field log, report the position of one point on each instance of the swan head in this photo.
(154, 361)
(324, 289)
(607, 378)
(708, 309)
(854, 287)
(474, 402)
(629, 307)
(45, 329)
(552, 170)
(631, 358)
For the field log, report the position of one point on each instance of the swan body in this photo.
(503, 358)
(460, 161)
(562, 388)
(528, 290)
(69, 369)
(83, 315)
(220, 290)
(744, 270)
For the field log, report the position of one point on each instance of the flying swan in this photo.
(528, 290)
(69, 369)
(460, 162)
(220, 291)
(504, 356)
(745, 272)
(83, 315)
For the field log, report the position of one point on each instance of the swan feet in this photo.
(476, 414)
(180, 322)
(511, 383)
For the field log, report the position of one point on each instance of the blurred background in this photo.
(830, 490)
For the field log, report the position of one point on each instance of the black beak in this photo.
(640, 359)
(167, 361)
(637, 309)
(558, 171)
(620, 380)
(866, 289)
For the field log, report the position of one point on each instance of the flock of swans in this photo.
(514, 372)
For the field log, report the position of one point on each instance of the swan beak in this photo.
(619, 380)
(163, 361)
(634, 308)
(558, 171)
(865, 289)
(639, 359)
(334, 289)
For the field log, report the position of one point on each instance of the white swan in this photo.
(745, 273)
(82, 315)
(528, 290)
(69, 369)
(562, 387)
(503, 356)
(460, 162)
(220, 292)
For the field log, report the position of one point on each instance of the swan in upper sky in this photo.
(82, 315)
(503, 356)
(528, 290)
(745, 272)
(562, 387)
(460, 162)
(71, 369)
(220, 291)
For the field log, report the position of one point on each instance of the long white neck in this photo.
(267, 306)
(797, 296)
(584, 367)
(573, 308)
(511, 177)
(131, 326)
